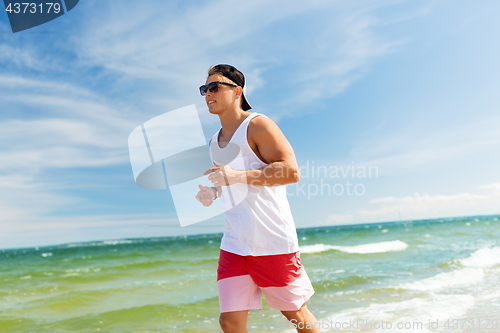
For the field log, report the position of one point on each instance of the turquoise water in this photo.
(411, 272)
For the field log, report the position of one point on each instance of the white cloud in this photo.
(334, 55)
(32, 145)
(59, 230)
(81, 222)
(17, 57)
(45, 86)
(51, 124)
(347, 47)
(493, 188)
(328, 43)
(417, 207)
(340, 219)
(411, 148)
(66, 126)
(24, 198)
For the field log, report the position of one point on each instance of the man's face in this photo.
(221, 100)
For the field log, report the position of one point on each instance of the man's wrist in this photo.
(216, 192)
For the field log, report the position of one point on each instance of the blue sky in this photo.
(409, 88)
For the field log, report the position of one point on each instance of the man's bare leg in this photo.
(303, 319)
(234, 322)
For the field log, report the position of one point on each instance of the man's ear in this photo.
(239, 91)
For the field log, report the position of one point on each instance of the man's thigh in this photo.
(239, 293)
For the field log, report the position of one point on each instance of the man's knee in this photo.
(298, 315)
(226, 324)
(230, 324)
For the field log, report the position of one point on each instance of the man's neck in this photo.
(231, 119)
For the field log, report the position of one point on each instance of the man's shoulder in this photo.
(261, 124)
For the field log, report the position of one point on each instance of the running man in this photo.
(259, 249)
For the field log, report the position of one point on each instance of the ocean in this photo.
(438, 275)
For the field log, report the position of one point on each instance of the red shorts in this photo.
(241, 280)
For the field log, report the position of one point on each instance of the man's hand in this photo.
(223, 175)
(205, 196)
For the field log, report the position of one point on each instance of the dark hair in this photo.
(229, 72)
(233, 75)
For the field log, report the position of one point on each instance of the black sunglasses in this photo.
(213, 87)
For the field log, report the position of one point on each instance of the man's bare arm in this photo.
(273, 148)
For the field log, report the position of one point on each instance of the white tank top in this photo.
(260, 221)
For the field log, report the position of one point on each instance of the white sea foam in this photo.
(396, 245)
(104, 243)
(316, 248)
(409, 312)
(485, 257)
(457, 278)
